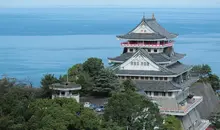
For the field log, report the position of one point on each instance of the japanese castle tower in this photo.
(149, 59)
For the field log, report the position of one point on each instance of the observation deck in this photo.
(184, 108)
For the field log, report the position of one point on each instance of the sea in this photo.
(35, 42)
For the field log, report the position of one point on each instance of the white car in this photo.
(87, 104)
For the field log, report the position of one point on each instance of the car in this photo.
(87, 104)
(92, 106)
(99, 109)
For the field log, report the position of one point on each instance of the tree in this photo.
(214, 81)
(172, 123)
(203, 70)
(92, 66)
(128, 85)
(215, 120)
(61, 114)
(86, 82)
(14, 107)
(106, 82)
(132, 110)
(46, 81)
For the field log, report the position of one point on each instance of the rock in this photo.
(210, 100)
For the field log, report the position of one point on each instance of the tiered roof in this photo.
(148, 29)
(170, 70)
(158, 57)
(156, 86)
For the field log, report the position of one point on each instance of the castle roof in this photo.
(156, 86)
(148, 29)
(65, 86)
(157, 57)
(158, 70)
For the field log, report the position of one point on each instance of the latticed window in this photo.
(156, 93)
(170, 94)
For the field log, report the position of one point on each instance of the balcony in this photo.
(185, 108)
(203, 125)
(147, 44)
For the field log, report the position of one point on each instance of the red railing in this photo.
(137, 44)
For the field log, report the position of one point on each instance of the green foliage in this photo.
(61, 114)
(92, 66)
(172, 123)
(132, 110)
(14, 107)
(203, 70)
(106, 82)
(215, 120)
(46, 81)
(214, 81)
(128, 85)
(205, 73)
(86, 82)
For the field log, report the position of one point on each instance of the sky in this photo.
(110, 3)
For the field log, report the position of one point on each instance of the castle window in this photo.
(151, 78)
(142, 63)
(137, 63)
(156, 78)
(132, 63)
(142, 77)
(136, 77)
(170, 94)
(62, 93)
(165, 78)
(156, 93)
(146, 78)
(163, 94)
(155, 50)
(161, 78)
(149, 50)
(131, 50)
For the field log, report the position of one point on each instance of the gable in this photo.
(139, 62)
(143, 28)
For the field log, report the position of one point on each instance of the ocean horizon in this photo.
(34, 42)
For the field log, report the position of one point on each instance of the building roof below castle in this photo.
(163, 86)
(148, 29)
(65, 86)
(156, 86)
(157, 57)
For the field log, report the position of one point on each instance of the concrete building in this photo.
(149, 59)
(66, 90)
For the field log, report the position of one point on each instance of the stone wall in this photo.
(210, 100)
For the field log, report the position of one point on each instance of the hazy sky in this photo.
(124, 3)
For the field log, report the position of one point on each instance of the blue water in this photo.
(34, 42)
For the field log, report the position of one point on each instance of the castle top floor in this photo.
(148, 30)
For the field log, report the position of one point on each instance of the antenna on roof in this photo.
(153, 16)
